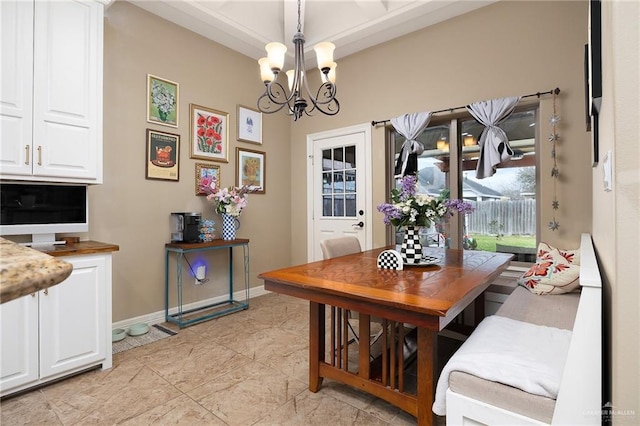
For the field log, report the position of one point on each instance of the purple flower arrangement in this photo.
(408, 208)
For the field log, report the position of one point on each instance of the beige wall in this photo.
(132, 211)
(616, 214)
(506, 49)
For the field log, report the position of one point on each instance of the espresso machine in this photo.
(185, 227)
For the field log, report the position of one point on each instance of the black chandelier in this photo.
(275, 96)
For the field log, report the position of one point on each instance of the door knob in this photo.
(359, 224)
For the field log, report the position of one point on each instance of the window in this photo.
(339, 182)
(505, 203)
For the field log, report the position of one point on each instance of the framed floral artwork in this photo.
(251, 170)
(162, 101)
(205, 173)
(249, 125)
(209, 134)
(163, 154)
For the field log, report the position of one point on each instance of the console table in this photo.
(188, 317)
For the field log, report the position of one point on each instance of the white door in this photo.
(340, 187)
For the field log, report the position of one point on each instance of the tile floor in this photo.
(247, 368)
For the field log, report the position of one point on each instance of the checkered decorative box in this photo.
(390, 259)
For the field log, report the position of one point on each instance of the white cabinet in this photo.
(19, 343)
(58, 331)
(51, 90)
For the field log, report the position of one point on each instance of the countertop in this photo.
(81, 247)
(24, 270)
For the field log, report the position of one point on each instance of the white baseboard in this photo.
(158, 317)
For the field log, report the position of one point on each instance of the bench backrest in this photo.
(580, 397)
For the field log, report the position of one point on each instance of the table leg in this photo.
(316, 344)
(427, 371)
(478, 309)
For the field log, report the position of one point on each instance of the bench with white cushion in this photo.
(555, 344)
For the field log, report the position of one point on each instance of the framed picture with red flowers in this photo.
(209, 134)
(205, 174)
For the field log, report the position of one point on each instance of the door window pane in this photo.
(339, 182)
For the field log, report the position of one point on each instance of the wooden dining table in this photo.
(412, 305)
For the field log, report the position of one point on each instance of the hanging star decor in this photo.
(555, 173)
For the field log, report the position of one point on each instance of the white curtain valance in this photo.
(494, 145)
(410, 126)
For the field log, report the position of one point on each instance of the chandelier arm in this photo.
(329, 107)
(329, 96)
(267, 104)
(274, 96)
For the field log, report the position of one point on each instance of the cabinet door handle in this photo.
(46, 291)
(33, 295)
(26, 155)
(39, 155)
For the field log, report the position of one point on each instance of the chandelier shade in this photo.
(297, 100)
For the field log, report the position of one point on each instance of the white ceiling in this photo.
(352, 25)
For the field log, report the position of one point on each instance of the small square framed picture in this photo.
(251, 169)
(162, 101)
(249, 125)
(205, 174)
(163, 154)
(209, 134)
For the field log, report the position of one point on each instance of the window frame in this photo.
(454, 119)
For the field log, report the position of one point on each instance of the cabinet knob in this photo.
(46, 291)
(39, 155)
(26, 155)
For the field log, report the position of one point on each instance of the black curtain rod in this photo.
(538, 94)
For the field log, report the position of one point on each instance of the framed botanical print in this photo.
(249, 125)
(162, 101)
(163, 154)
(205, 174)
(251, 170)
(209, 134)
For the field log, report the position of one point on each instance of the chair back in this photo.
(340, 246)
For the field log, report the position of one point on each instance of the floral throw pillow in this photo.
(571, 256)
(551, 274)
